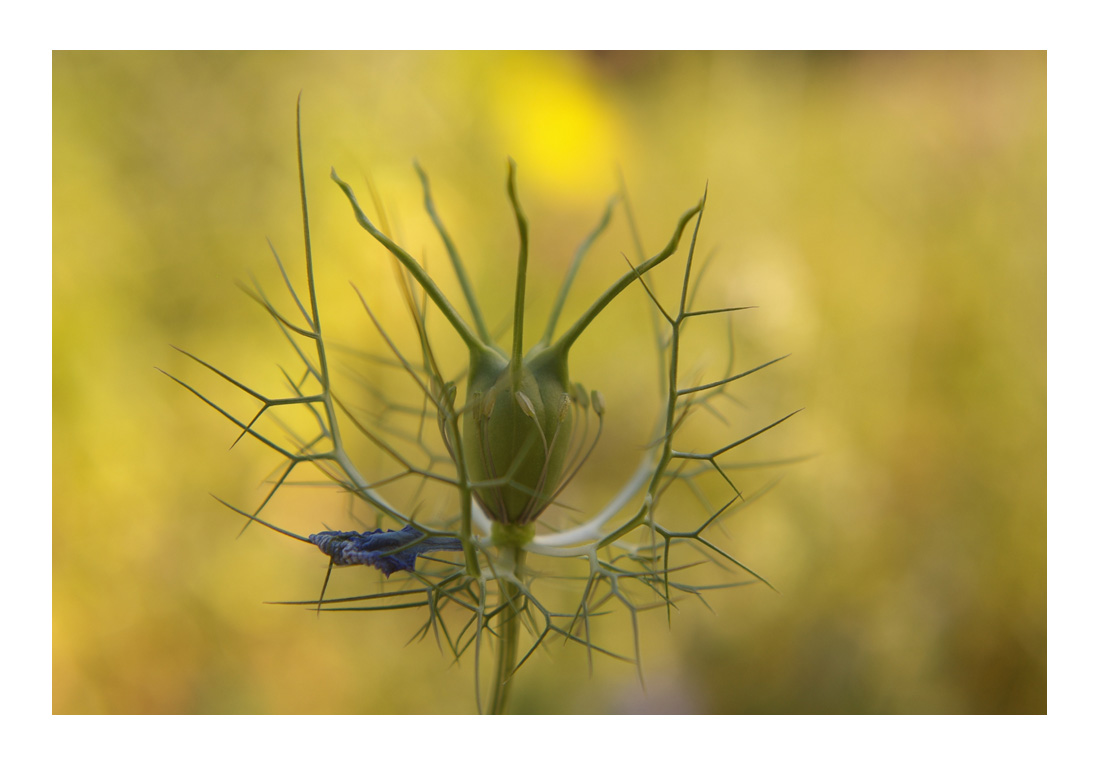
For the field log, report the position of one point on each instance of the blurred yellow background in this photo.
(886, 212)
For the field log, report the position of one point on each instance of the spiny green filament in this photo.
(413, 267)
(456, 261)
(565, 342)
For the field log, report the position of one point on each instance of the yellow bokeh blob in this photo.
(554, 122)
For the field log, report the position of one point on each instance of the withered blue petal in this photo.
(380, 549)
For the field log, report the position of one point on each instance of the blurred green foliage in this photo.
(886, 212)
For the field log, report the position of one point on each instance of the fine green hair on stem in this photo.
(485, 568)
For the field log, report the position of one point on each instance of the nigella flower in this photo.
(523, 430)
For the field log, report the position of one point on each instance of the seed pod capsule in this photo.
(516, 456)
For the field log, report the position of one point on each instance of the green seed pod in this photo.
(516, 450)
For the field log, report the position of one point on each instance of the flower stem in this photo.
(508, 627)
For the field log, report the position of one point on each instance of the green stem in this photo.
(508, 629)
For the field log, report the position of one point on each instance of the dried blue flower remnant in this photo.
(387, 551)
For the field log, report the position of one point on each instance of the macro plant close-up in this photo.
(590, 382)
(511, 429)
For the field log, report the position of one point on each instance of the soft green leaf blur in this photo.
(885, 212)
